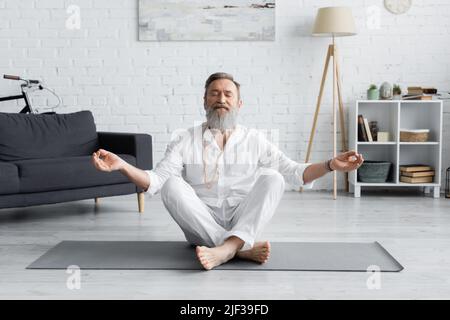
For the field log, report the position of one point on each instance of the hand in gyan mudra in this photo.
(347, 161)
(106, 161)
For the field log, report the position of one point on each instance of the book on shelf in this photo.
(362, 135)
(418, 174)
(417, 97)
(415, 90)
(368, 132)
(415, 168)
(429, 90)
(416, 180)
(421, 90)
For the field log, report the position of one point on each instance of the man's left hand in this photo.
(347, 161)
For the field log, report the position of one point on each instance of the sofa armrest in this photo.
(137, 144)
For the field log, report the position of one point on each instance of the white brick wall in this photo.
(157, 87)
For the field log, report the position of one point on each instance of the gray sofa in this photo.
(46, 158)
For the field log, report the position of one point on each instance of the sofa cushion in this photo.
(9, 178)
(39, 136)
(39, 175)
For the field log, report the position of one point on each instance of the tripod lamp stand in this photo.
(332, 22)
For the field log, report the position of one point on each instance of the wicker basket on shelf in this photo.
(419, 135)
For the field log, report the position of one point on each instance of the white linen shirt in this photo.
(231, 174)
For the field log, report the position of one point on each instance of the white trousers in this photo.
(202, 224)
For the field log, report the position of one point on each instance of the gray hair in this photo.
(222, 75)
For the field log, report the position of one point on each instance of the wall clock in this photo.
(397, 6)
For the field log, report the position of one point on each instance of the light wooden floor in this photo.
(414, 228)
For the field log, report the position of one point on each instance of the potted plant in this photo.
(373, 93)
(397, 92)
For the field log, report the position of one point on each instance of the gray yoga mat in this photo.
(165, 255)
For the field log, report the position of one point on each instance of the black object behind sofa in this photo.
(46, 158)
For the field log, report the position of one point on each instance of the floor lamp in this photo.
(332, 22)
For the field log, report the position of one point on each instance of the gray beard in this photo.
(222, 123)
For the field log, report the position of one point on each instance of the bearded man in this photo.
(222, 182)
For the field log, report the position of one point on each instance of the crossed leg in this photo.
(214, 244)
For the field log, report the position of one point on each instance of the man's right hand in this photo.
(107, 161)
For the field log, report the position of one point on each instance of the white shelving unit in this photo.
(392, 116)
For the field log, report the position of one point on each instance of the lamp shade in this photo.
(334, 21)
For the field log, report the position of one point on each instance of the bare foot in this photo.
(259, 253)
(212, 257)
